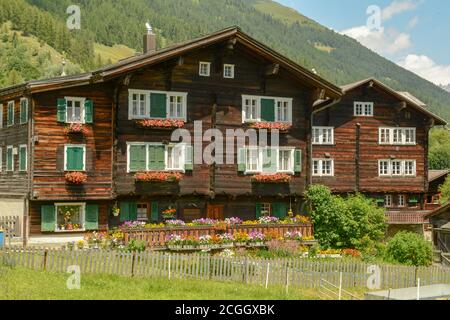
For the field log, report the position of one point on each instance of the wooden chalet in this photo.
(77, 150)
(375, 141)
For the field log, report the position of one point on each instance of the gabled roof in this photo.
(144, 60)
(439, 211)
(436, 174)
(402, 96)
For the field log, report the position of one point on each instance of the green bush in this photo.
(136, 246)
(410, 249)
(354, 222)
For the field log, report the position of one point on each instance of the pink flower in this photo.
(160, 123)
(76, 177)
(272, 126)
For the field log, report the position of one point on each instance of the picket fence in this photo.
(303, 273)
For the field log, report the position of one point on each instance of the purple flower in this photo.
(256, 236)
(204, 222)
(175, 223)
(233, 221)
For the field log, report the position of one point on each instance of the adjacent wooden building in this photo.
(93, 145)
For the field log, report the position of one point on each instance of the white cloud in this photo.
(397, 7)
(413, 22)
(427, 68)
(381, 41)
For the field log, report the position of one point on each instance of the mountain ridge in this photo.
(335, 57)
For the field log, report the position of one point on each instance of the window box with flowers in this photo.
(281, 126)
(160, 124)
(76, 178)
(271, 178)
(75, 129)
(158, 177)
(169, 213)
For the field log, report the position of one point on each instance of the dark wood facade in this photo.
(218, 190)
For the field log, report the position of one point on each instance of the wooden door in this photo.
(215, 212)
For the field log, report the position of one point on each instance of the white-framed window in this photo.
(175, 157)
(401, 201)
(204, 69)
(323, 167)
(139, 104)
(323, 135)
(397, 168)
(397, 136)
(143, 156)
(266, 209)
(142, 212)
(75, 157)
(253, 160)
(75, 112)
(176, 105)
(9, 158)
(283, 109)
(228, 71)
(23, 110)
(23, 158)
(285, 161)
(252, 109)
(70, 217)
(363, 109)
(388, 201)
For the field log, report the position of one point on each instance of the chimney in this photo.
(149, 40)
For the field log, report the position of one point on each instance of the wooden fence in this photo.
(156, 237)
(305, 273)
(11, 226)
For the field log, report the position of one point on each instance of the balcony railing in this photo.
(405, 217)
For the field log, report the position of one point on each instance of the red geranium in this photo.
(75, 128)
(76, 177)
(160, 123)
(158, 177)
(272, 178)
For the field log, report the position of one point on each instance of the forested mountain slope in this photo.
(338, 58)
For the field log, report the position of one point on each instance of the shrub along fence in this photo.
(156, 237)
(304, 273)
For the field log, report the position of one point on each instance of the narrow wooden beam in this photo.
(272, 69)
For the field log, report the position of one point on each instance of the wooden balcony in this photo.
(406, 217)
(156, 237)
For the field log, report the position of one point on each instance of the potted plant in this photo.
(75, 128)
(256, 239)
(115, 211)
(169, 213)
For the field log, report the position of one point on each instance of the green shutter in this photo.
(258, 210)
(128, 211)
(138, 154)
(91, 217)
(156, 158)
(48, 218)
(23, 111)
(9, 159)
(241, 160)
(155, 212)
(89, 111)
(133, 211)
(298, 161)
(189, 163)
(269, 161)
(10, 114)
(158, 105)
(279, 210)
(268, 110)
(74, 159)
(61, 114)
(23, 159)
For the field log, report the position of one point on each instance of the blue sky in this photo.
(413, 33)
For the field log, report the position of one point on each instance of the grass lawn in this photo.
(24, 284)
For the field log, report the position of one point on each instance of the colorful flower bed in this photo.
(160, 123)
(271, 126)
(228, 222)
(76, 178)
(272, 178)
(158, 177)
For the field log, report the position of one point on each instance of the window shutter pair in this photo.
(88, 111)
(128, 211)
(268, 110)
(75, 159)
(158, 105)
(138, 154)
